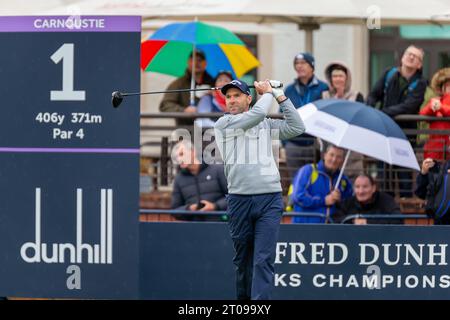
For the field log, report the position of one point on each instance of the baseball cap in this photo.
(236, 84)
(305, 56)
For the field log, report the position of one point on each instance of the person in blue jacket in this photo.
(314, 187)
(304, 89)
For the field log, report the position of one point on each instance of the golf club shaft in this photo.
(125, 94)
(276, 84)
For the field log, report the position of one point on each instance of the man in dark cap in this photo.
(306, 88)
(255, 204)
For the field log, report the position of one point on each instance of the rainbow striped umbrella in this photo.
(168, 49)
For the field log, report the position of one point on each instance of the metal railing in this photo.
(181, 115)
(221, 213)
(216, 115)
(157, 136)
(384, 217)
(346, 220)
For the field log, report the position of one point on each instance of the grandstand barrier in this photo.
(147, 215)
(168, 214)
(386, 217)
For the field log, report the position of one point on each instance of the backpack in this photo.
(438, 194)
(390, 74)
(312, 179)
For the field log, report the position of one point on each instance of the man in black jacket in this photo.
(400, 90)
(367, 200)
(198, 186)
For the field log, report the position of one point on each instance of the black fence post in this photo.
(164, 161)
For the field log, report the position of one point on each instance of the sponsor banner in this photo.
(194, 261)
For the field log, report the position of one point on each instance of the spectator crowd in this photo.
(401, 90)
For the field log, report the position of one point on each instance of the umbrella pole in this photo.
(342, 169)
(192, 99)
(194, 60)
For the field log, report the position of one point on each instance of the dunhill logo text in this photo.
(37, 252)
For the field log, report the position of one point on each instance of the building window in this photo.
(444, 59)
(379, 62)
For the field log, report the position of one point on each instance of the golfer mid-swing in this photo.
(244, 139)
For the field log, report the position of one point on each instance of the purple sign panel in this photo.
(70, 161)
(70, 24)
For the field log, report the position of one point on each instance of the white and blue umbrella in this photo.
(360, 128)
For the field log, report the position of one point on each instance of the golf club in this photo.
(117, 96)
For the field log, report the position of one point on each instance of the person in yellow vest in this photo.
(313, 189)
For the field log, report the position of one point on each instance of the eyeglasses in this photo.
(415, 56)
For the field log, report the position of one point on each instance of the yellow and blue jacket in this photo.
(311, 185)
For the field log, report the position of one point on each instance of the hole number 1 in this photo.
(65, 53)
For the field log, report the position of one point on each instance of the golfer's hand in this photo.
(190, 109)
(209, 206)
(426, 165)
(263, 87)
(278, 94)
(333, 197)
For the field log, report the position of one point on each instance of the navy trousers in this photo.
(254, 222)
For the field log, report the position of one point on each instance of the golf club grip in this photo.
(273, 84)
